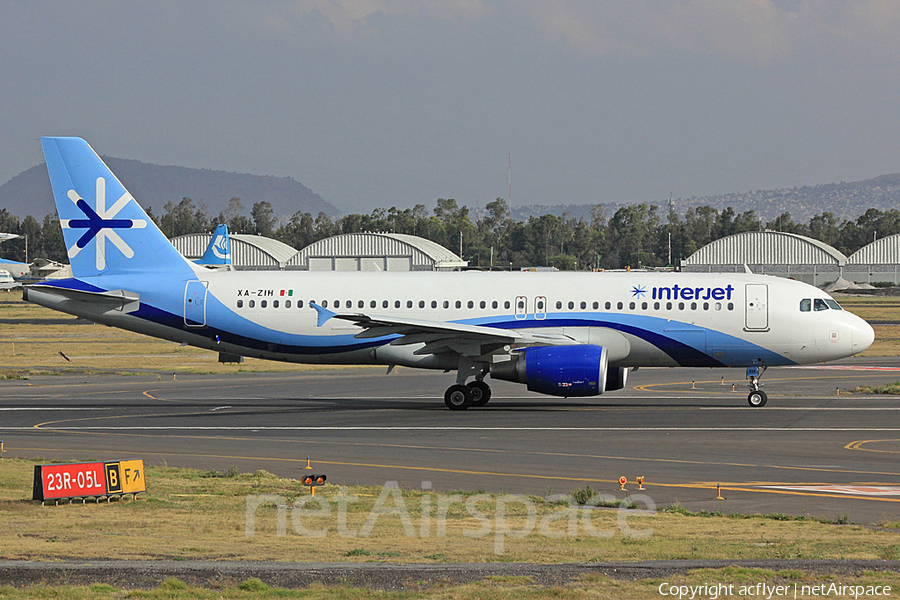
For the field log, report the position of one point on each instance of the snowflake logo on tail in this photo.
(101, 224)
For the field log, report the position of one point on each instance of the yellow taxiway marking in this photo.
(545, 477)
(646, 387)
(43, 427)
(858, 445)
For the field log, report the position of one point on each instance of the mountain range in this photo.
(28, 193)
(846, 200)
(155, 185)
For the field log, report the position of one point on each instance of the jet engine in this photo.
(557, 370)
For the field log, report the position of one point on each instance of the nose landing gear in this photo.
(757, 398)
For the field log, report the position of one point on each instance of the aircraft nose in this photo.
(861, 335)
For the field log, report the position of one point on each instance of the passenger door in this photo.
(195, 304)
(756, 302)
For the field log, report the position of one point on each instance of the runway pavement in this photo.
(809, 451)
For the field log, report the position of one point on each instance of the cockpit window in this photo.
(805, 305)
(833, 304)
(819, 304)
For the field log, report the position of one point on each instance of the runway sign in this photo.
(88, 480)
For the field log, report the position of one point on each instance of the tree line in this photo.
(640, 235)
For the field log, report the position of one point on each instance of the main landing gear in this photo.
(476, 393)
(461, 397)
(757, 397)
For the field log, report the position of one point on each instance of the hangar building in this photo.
(771, 253)
(376, 252)
(248, 252)
(346, 252)
(875, 262)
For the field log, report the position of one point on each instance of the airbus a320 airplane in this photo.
(562, 334)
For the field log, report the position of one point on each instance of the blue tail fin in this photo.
(219, 250)
(105, 230)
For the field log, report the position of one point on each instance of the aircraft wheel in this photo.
(757, 399)
(458, 397)
(481, 393)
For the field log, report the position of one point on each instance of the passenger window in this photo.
(596, 305)
(631, 306)
(693, 306)
(373, 303)
(337, 303)
(521, 305)
(251, 304)
(681, 306)
(446, 304)
(668, 306)
(494, 304)
(263, 304)
(299, 303)
(434, 304)
(583, 305)
(470, 304)
(608, 306)
(619, 305)
(805, 305)
(421, 304)
(731, 306)
(571, 305)
(558, 304)
(819, 304)
(348, 304)
(706, 306)
(718, 306)
(287, 303)
(458, 304)
(506, 304)
(643, 306)
(656, 306)
(240, 304)
(274, 303)
(385, 304)
(482, 304)
(409, 304)
(396, 304)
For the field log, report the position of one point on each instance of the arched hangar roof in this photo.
(766, 248)
(253, 251)
(885, 251)
(418, 253)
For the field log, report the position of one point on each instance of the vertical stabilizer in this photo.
(105, 230)
(219, 250)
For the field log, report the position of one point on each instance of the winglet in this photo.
(323, 314)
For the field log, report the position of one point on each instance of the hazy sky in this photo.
(397, 102)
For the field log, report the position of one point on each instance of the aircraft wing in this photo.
(442, 336)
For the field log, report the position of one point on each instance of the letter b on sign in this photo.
(113, 478)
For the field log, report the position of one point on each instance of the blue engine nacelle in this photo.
(557, 370)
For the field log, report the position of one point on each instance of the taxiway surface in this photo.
(809, 451)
